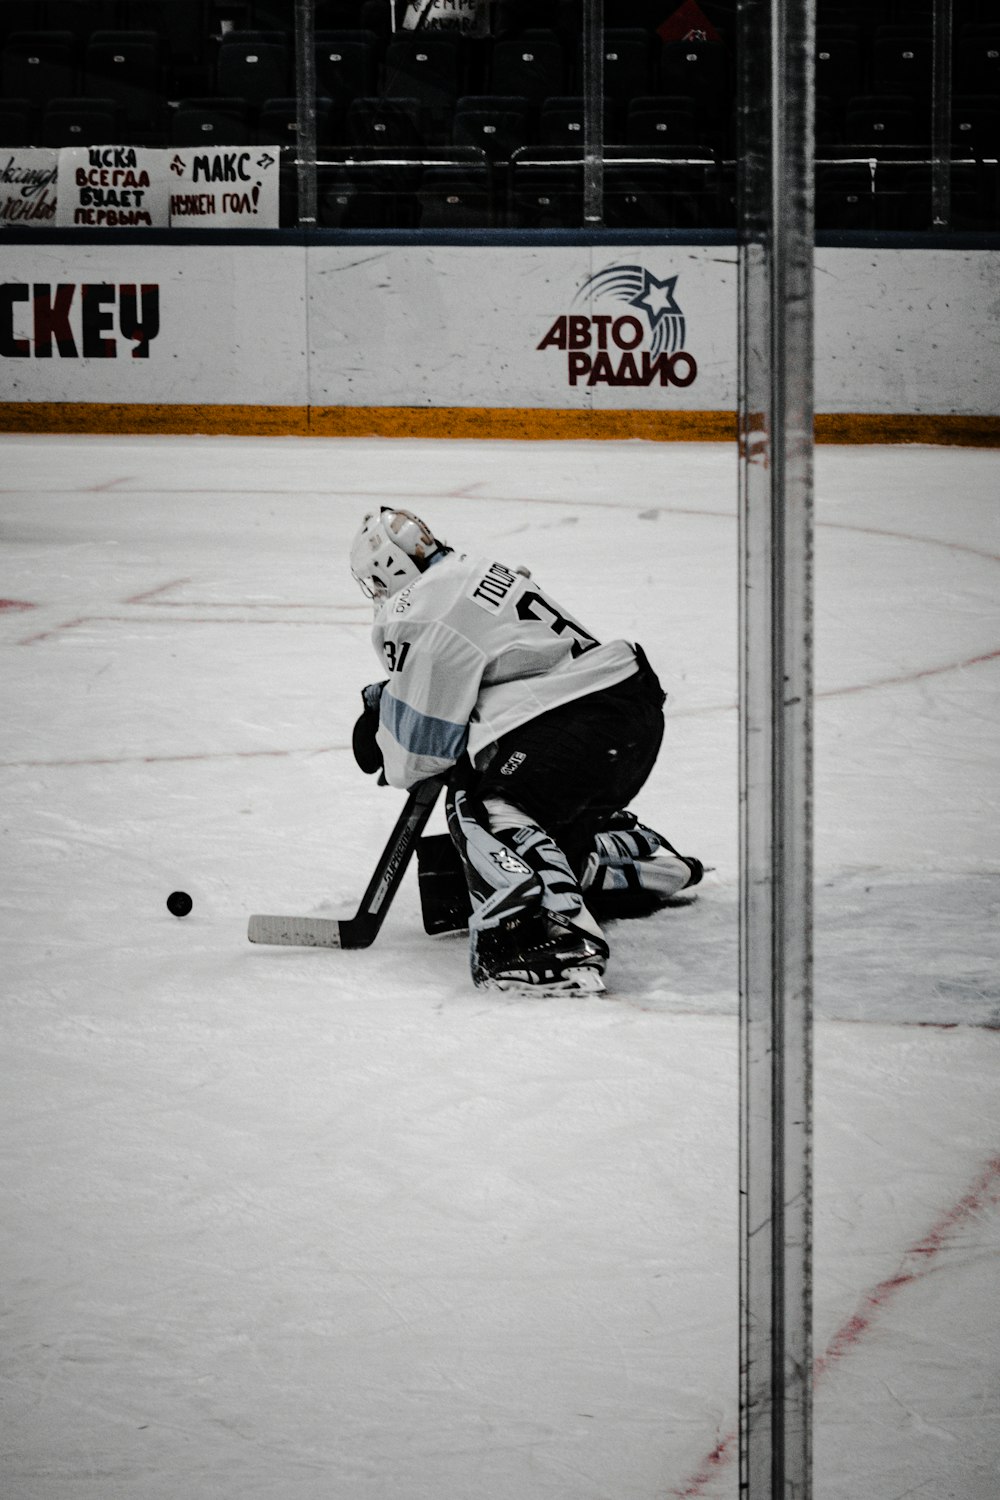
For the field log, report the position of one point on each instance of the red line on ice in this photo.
(43, 635)
(161, 588)
(855, 687)
(916, 1262)
(915, 676)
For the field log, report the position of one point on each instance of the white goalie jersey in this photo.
(472, 649)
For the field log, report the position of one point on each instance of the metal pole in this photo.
(941, 116)
(593, 112)
(776, 433)
(305, 94)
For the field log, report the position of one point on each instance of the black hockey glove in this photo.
(363, 742)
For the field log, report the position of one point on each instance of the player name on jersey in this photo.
(494, 586)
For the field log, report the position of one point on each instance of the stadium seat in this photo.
(278, 123)
(125, 66)
(253, 66)
(901, 61)
(561, 121)
(531, 66)
(431, 60)
(425, 66)
(901, 196)
(975, 196)
(38, 66)
(884, 120)
(844, 197)
(346, 65)
(498, 127)
(627, 64)
(838, 67)
(455, 196)
(385, 123)
(975, 124)
(336, 195)
(184, 26)
(17, 123)
(695, 70)
(655, 121)
(84, 122)
(977, 58)
(654, 195)
(545, 195)
(699, 71)
(211, 122)
(363, 197)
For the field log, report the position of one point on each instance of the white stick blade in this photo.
(295, 932)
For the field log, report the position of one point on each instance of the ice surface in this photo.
(298, 1225)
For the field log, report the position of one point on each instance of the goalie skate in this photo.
(538, 956)
(570, 982)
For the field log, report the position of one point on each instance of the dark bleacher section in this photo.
(442, 129)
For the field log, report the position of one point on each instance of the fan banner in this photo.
(28, 186)
(112, 187)
(223, 187)
(131, 187)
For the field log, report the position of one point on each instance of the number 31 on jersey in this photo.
(395, 654)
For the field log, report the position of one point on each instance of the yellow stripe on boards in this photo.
(522, 423)
(128, 419)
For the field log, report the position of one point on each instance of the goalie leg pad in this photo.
(528, 924)
(500, 883)
(500, 847)
(629, 871)
(632, 869)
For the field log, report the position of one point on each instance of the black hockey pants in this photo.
(570, 768)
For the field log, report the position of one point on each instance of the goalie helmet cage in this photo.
(776, 235)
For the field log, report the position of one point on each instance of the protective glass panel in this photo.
(504, 114)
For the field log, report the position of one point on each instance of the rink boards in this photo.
(459, 340)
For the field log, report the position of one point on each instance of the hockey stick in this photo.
(361, 930)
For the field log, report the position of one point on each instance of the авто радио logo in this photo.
(639, 347)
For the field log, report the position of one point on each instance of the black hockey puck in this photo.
(179, 903)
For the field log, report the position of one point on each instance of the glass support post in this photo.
(593, 113)
(941, 101)
(305, 95)
(775, 429)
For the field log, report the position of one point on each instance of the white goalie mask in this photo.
(391, 550)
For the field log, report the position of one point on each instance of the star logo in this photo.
(637, 287)
(656, 298)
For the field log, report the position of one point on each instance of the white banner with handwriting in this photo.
(224, 187)
(28, 186)
(132, 187)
